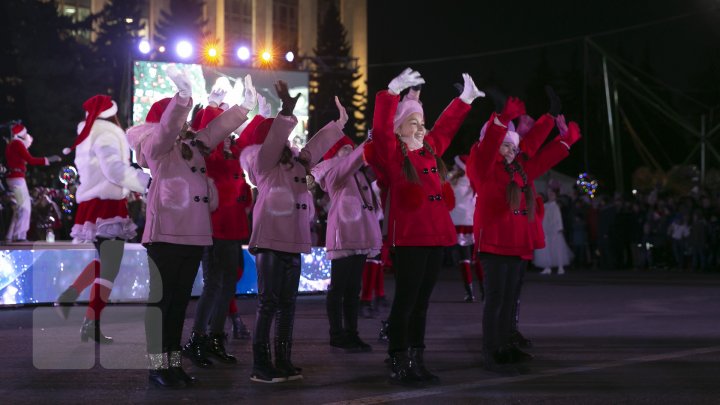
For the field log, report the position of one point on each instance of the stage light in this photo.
(212, 52)
(161, 49)
(290, 56)
(243, 53)
(129, 20)
(144, 47)
(184, 49)
(266, 56)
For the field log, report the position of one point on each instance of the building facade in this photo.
(279, 25)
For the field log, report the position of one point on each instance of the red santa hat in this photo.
(345, 140)
(204, 116)
(98, 106)
(157, 110)
(18, 131)
(410, 104)
(461, 160)
(257, 137)
(247, 134)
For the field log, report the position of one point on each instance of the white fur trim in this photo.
(117, 227)
(110, 111)
(459, 163)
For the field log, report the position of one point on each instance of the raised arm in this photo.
(117, 170)
(552, 153)
(453, 116)
(345, 168)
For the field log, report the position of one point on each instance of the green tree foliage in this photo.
(116, 44)
(44, 73)
(334, 74)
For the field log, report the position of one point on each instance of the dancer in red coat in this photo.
(505, 229)
(418, 222)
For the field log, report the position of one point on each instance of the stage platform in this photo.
(37, 272)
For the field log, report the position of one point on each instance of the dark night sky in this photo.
(675, 51)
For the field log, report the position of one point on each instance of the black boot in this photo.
(417, 354)
(194, 350)
(239, 330)
(482, 291)
(519, 340)
(355, 344)
(283, 351)
(263, 369)
(66, 300)
(159, 374)
(469, 296)
(403, 370)
(90, 329)
(175, 367)
(516, 355)
(215, 345)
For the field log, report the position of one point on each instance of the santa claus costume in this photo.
(280, 230)
(102, 158)
(505, 227)
(418, 221)
(462, 217)
(18, 157)
(353, 234)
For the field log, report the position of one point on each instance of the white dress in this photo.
(556, 252)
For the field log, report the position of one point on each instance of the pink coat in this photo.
(180, 196)
(284, 206)
(352, 222)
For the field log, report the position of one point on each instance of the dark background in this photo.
(670, 47)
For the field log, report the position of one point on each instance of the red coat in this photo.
(18, 158)
(498, 229)
(230, 220)
(419, 214)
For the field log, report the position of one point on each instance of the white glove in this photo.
(470, 91)
(250, 94)
(343, 119)
(407, 78)
(54, 159)
(216, 97)
(264, 108)
(181, 80)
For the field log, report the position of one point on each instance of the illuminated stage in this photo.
(36, 273)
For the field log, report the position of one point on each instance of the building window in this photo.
(77, 10)
(285, 25)
(238, 22)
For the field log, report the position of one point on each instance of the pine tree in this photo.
(118, 27)
(183, 20)
(334, 73)
(44, 74)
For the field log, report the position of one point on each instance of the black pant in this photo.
(278, 277)
(172, 269)
(343, 294)
(416, 271)
(219, 266)
(501, 286)
(518, 290)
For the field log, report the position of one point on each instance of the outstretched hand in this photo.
(343, 119)
(514, 107)
(216, 97)
(407, 78)
(250, 95)
(470, 91)
(264, 108)
(288, 102)
(181, 80)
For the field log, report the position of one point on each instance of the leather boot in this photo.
(239, 330)
(263, 369)
(519, 340)
(469, 296)
(90, 330)
(159, 373)
(175, 367)
(66, 300)
(215, 346)
(194, 350)
(417, 354)
(403, 370)
(383, 335)
(283, 351)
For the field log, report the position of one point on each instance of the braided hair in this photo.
(409, 170)
(513, 190)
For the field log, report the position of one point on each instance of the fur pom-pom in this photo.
(411, 196)
(66, 151)
(448, 195)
